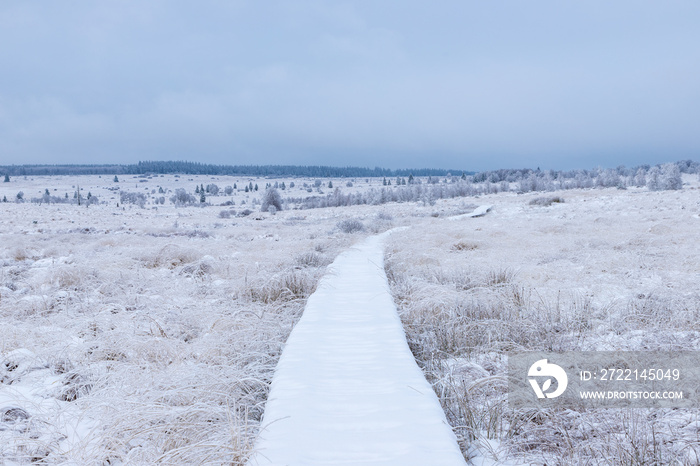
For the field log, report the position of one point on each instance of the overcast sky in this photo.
(454, 84)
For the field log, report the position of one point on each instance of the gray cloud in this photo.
(473, 85)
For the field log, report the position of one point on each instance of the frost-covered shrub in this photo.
(350, 226)
(271, 198)
(671, 177)
(640, 178)
(90, 200)
(608, 179)
(126, 197)
(668, 176)
(182, 197)
(654, 179)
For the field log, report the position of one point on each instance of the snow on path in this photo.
(347, 389)
(478, 212)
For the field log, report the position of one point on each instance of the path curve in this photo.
(347, 389)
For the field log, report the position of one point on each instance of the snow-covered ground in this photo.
(347, 389)
(137, 336)
(604, 270)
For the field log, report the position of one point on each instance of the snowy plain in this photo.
(150, 335)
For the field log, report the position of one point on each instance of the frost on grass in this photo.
(550, 284)
(350, 226)
(546, 201)
(141, 345)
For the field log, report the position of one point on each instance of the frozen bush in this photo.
(126, 197)
(271, 198)
(671, 177)
(182, 197)
(654, 179)
(213, 189)
(350, 226)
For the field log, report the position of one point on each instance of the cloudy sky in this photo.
(395, 83)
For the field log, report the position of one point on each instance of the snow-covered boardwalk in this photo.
(347, 389)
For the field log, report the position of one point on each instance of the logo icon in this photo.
(544, 369)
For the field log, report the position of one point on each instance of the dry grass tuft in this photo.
(464, 245)
(170, 257)
(546, 201)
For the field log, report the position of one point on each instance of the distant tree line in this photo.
(51, 170)
(426, 189)
(195, 168)
(656, 178)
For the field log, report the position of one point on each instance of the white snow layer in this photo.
(478, 212)
(347, 389)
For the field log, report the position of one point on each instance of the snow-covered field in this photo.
(604, 270)
(141, 335)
